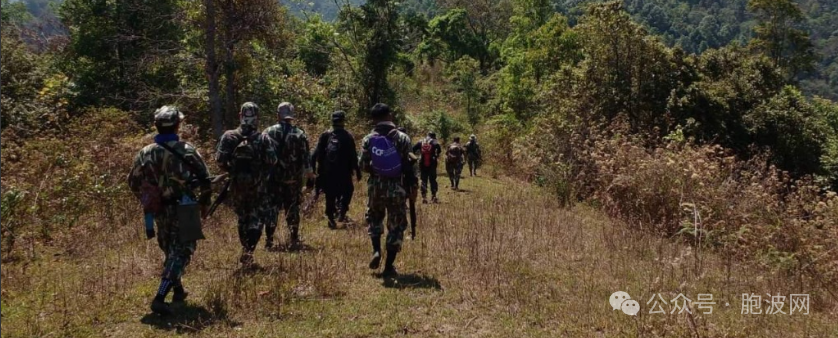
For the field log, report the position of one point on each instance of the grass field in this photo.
(498, 259)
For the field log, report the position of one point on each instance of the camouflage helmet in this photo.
(285, 111)
(249, 114)
(472, 137)
(167, 116)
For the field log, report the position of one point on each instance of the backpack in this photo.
(245, 173)
(427, 153)
(292, 150)
(386, 161)
(454, 154)
(333, 149)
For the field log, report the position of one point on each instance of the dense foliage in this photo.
(597, 105)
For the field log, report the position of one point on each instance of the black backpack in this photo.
(332, 153)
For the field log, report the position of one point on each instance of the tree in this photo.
(464, 74)
(381, 50)
(120, 52)
(779, 36)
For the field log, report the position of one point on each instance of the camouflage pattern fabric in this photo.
(156, 165)
(386, 196)
(246, 196)
(284, 189)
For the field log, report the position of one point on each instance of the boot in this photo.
(376, 252)
(389, 269)
(246, 258)
(180, 294)
(332, 224)
(160, 307)
(434, 200)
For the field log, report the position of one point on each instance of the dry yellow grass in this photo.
(499, 259)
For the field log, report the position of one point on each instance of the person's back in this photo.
(385, 153)
(428, 151)
(454, 157)
(335, 158)
(248, 156)
(473, 155)
(162, 178)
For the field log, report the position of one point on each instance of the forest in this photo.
(709, 122)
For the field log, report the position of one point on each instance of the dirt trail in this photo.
(498, 259)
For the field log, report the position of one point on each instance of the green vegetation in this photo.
(692, 125)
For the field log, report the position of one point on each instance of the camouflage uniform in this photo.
(155, 166)
(246, 188)
(473, 155)
(284, 188)
(454, 158)
(387, 195)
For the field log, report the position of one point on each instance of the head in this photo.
(432, 135)
(338, 118)
(249, 116)
(457, 139)
(402, 129)
(472, 137)
(285, 112)
(381, 112)
(167, 119)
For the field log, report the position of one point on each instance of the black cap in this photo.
(338, 116)
(432, 134)
(379, 110)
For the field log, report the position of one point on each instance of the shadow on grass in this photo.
(188, 318)
(411, 281)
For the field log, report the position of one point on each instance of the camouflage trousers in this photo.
(249, 226)
(288, 199)
(178, 254)
(454, 169)
(473, 163)
(387, 198)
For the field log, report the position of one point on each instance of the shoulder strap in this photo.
(188, 163)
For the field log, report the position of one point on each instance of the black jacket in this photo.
(346, 162)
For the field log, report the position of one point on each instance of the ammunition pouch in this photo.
(189, 222)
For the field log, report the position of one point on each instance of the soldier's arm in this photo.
(135, 176)
(364, 160)
(353, 153)
(319, 150)
(271, 155)
(307, 169)
(224, 152)
(205, 185)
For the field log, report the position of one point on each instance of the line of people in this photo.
(266, 173)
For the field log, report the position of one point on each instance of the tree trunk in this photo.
(230, 77)
(212, 71)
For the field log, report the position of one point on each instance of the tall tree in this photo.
(212, 69)
(779, 36)
(121, 52)
(380, 51)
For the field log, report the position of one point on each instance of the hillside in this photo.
(498, 259)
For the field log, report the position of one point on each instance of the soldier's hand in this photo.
(149, 233)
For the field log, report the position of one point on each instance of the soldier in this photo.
(473, 155)
(164, 174)
(335, 158)
(247, 155)
(454, 159)
(430, 150)
(385, 155)
(286, 180)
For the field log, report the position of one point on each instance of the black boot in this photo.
(375, 262)
(332, 224)
(389, 269)
(295, 239)
(180, 294)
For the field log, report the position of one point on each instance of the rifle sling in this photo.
(201, 175)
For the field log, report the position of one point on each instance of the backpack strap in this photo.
(201, 176)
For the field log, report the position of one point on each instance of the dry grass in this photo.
(500, 259)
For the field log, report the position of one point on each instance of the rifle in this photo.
(311, 200)
(221, 196)
(412, 205)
